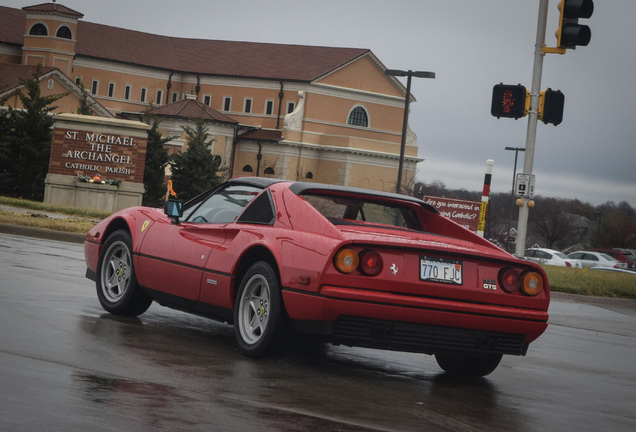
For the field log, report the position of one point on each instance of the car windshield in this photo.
(355, 210)
(561, 255)
(223, 206)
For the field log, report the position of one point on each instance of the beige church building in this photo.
(311, 113)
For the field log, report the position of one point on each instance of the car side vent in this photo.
(259, 211)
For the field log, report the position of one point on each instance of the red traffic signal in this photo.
(509, 101)
(551, 106)
(570, 33)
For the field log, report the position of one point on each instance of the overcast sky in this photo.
(471, 46)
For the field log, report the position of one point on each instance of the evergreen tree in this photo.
(156, 162)
(4, 150)
(195, 170)
(28, 143)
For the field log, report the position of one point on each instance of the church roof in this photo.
(53, 8)
(270, 61)
(262, 135)
(12, 74)
(190, 108)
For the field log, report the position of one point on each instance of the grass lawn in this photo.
(70, 224)
(592, 282)
(78, 220)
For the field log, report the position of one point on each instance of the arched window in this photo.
(309, 175)
(248, 168)
(358, 117)
(64, 32)
(269, 171)
(39, 29)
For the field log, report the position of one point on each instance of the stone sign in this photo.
(96, 163)
(89, 153)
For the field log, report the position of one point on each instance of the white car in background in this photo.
(596, 259)
(549, 257)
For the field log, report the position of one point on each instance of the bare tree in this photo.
(617, 226)
(549, 221)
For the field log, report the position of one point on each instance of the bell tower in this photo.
(50, 36)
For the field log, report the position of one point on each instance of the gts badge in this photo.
(490, 284)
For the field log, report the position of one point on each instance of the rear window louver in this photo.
(259, 211)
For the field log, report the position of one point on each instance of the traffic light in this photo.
(509, 101)
(551, 106)
(570, 33)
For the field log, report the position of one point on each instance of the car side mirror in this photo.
(174, 210)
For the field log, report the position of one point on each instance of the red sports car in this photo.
(351, 266)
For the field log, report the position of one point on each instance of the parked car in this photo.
(351, 266)
(628, 255)
(596, 259)
(549, 257)
(622, 255)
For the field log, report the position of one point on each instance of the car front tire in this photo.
(117, 287)
(257, 312)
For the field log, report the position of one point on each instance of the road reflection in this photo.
(174, 361)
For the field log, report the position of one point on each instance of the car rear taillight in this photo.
(368, 262)
(567, 264)
(509, 279)
(532, 283)
(529, 283)
(347, 260)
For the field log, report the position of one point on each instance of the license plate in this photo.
(441, 270)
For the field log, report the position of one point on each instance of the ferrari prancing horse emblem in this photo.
(394, 269)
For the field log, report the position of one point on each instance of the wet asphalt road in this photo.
(66, 365)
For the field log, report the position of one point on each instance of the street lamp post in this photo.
(407, 101)
(512, 191)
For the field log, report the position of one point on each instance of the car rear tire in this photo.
(257, 312)
(117, 287)
(468, 364)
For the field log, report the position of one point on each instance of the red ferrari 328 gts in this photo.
(351, 266)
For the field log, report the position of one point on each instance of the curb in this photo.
(606, 301)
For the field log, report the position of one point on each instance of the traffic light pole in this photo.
(533, 117)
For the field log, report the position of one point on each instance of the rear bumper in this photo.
(417, 325)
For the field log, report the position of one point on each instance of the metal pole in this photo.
(405, 123)
(533, 116)
(512, 191)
